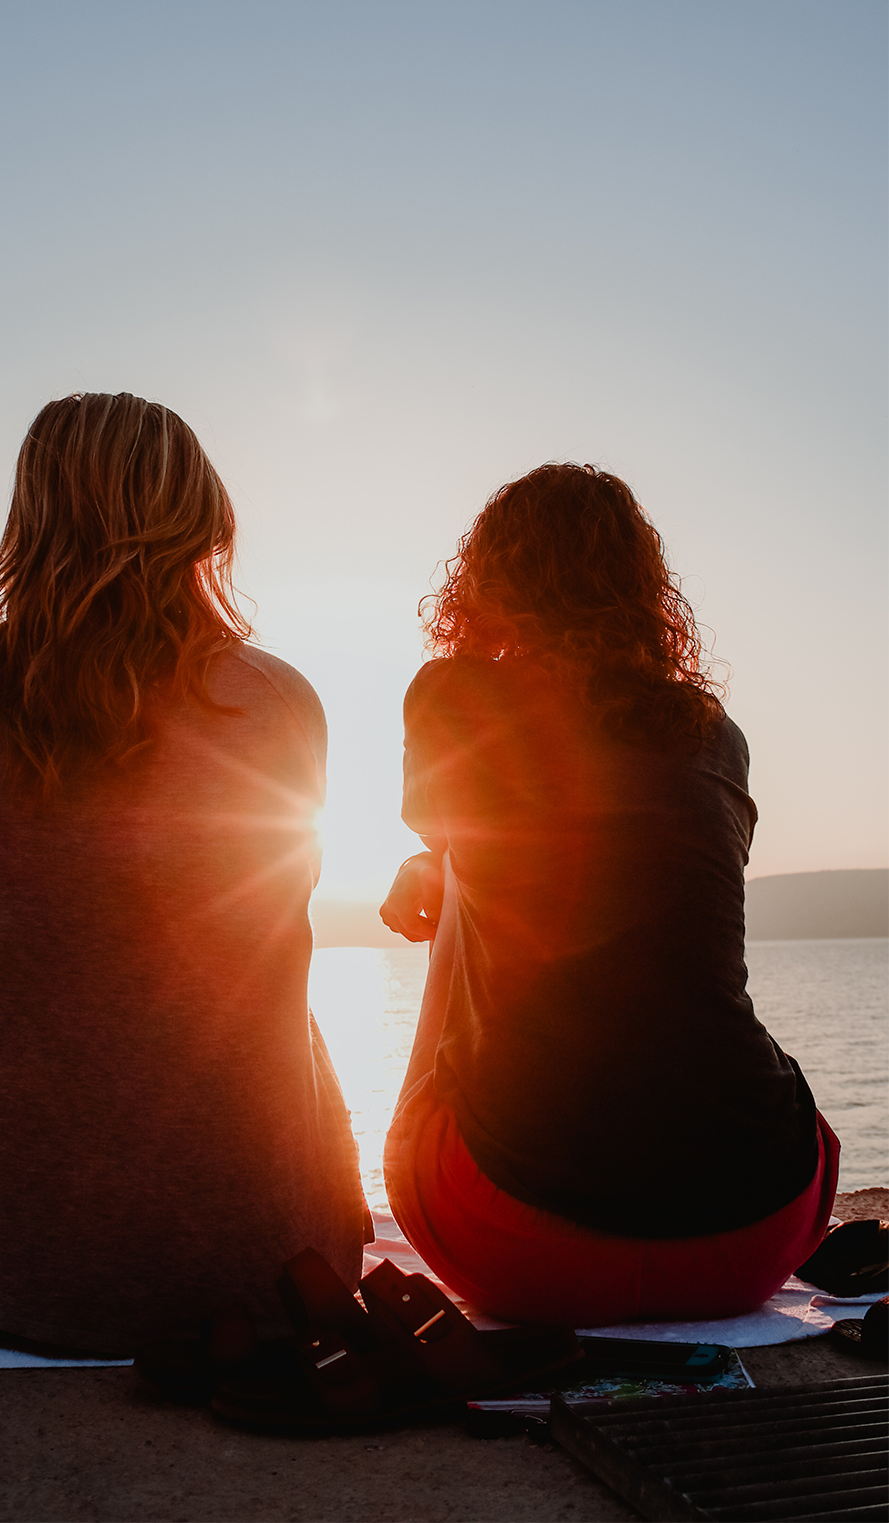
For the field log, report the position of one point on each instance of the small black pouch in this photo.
(852, 1260)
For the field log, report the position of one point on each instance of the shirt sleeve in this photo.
(418, 810)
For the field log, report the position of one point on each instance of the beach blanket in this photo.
(796, 1311)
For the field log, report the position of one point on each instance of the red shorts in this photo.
(525, 1265)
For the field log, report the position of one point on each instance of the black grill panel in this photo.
(805, 1452)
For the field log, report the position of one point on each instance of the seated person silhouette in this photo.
(171, 1129)
(594, 1126)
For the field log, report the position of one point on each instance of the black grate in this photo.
(811, 1452)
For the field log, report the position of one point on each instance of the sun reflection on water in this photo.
(366, 1003)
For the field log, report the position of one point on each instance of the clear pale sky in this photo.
(386, 256)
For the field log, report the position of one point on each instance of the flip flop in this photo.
(406, 1351)
(851, 1260)
(867, 1335)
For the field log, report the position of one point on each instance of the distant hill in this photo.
(786, 907)
(351, 923)
(804, 906)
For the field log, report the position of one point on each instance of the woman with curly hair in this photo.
(171, 1129)
(594, 1126)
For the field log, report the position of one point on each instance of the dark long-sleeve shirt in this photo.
(598, 1045)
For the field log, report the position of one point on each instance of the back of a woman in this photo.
(594, 1124)
(599, 1008)
(170, 1127)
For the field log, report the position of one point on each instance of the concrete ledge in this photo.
(90, 1444)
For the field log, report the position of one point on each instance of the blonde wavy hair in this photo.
(115, 583)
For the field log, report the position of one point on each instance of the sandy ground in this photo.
(89, 1444)
(862, 1205)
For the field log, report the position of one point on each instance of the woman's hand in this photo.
(413, 904)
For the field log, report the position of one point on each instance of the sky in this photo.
(384, 257)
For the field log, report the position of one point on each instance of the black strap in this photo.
(421, 1318)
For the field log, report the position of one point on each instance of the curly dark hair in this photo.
(564, 566)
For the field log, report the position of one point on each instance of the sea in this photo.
(825, 1002)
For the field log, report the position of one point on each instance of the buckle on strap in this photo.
(418, 1308)
(419, 1331)
(341, 1353)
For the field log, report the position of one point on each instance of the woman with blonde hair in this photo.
(171, 1130)
(594, 1126)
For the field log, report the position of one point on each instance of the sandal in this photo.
(867, 1335)
(851, 1260)
(406, 1351)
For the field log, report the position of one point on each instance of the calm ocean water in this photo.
(826, 1003)
(823, 1001)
